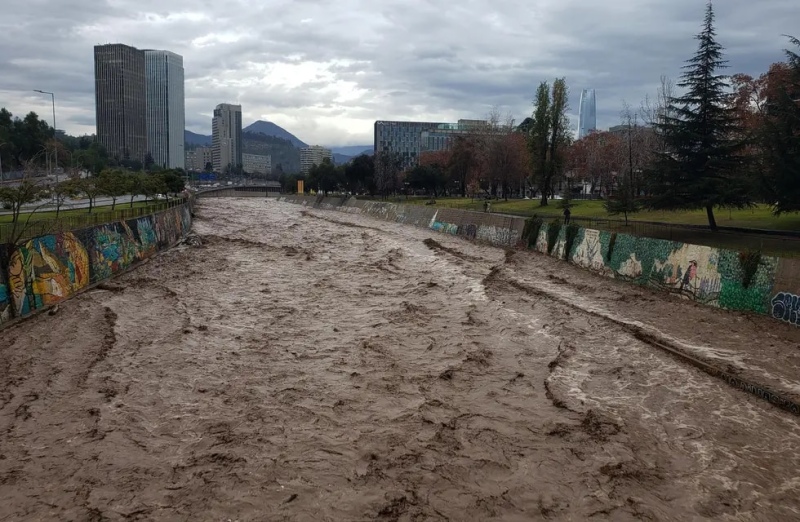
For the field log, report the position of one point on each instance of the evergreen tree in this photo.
(623, 201)
(781, 134)
(702, 166)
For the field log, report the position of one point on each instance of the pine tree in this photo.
(702, 166)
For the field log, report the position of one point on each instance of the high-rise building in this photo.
(120, 100)
(198, 158)
(313, 155)
(166, 116)
(587, 113)
(226, 137)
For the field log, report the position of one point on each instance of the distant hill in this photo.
(353, 150)
(341, 159)
(196, 140)
(270, 129)
(282, 151)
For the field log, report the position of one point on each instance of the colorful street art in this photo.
(702, 274)
(51, 268)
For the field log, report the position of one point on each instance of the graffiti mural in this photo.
(690, 271)
(5, 304)
(51, 268)
(46, 270)
(786, 307)
(703, 274)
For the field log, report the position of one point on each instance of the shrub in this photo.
(553, 230)
(749, 260)
(611, 243)
(571, 235)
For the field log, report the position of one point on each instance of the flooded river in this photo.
(313, 365)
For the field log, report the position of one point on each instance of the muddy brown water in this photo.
(315, 365)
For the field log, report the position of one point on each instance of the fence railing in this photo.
(29, 228)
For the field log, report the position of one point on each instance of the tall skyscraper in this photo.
(226, 136)
(587, 113)
(120, 100)
(166, 116)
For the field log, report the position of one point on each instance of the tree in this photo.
(325, 177)
(149, 162)
(780, 135)
(427, 177)
(702, 164)
(152, 185)
(210, 167)
(387, 170)
(61, 191)
(360, 174)
(113, 183)
(623, 201)
(174, 181)
(462, 158)
(91, 189)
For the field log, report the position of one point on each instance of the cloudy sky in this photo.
(327, 69)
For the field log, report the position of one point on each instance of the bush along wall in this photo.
(747, 281)
(49, 269)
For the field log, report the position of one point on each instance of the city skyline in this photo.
(369, 68)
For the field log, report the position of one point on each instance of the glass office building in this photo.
(166, 116)
(410, 139)
(587, 113)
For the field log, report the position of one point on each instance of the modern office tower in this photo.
(313, 155)
(587, 113)
(121, 100)
(226, 137)
(166, 116)
(410, 139)
(257, 163)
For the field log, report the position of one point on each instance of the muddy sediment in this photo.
(306, 365)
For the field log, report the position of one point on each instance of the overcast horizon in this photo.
(325, 70)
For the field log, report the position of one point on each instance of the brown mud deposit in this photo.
(310, 365)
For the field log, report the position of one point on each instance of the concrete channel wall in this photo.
(708, 275)
(51, 268)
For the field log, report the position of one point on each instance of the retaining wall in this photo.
(708, 275)
(51, 268)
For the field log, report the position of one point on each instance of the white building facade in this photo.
(257, 163)
(166, 110)
(313, 155)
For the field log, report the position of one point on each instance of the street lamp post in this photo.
(55, 149)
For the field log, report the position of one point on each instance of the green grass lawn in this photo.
(760, 216)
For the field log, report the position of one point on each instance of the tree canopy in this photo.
(702, 167)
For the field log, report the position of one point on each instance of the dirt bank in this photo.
(312, 365)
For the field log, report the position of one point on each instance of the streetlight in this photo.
(55, 149)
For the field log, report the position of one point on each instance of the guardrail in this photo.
(36, 227)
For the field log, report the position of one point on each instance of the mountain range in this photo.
(340, 154)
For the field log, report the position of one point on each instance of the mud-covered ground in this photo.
(314, 365)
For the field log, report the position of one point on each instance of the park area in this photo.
(288, 363)
(772, 234)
